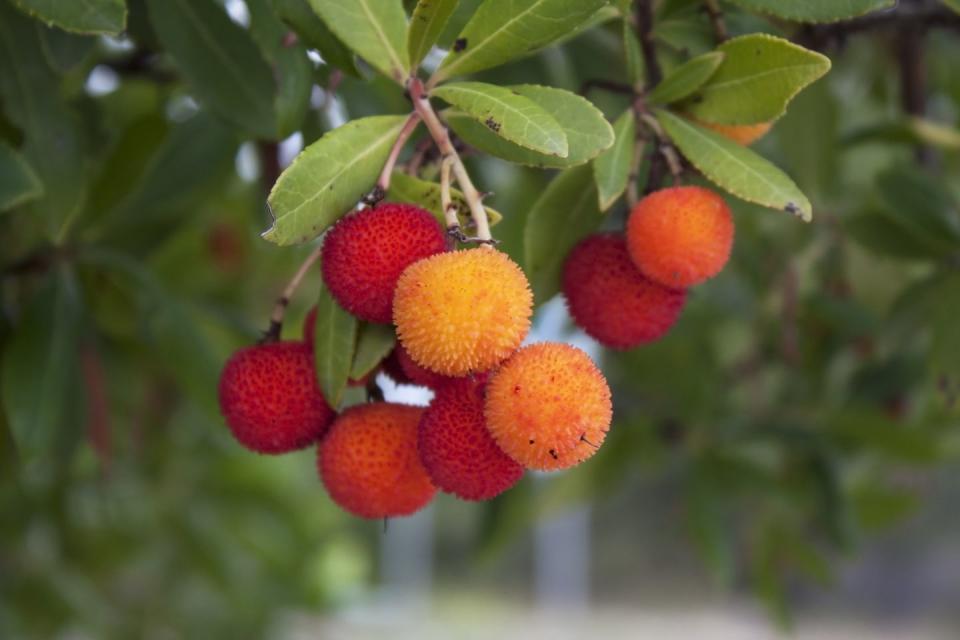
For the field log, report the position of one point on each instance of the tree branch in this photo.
(712, 7)
(913, 80)
(652, 72)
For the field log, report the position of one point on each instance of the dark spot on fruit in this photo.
(532, 441)
(492, 124)
(554, 454)
(460, 45)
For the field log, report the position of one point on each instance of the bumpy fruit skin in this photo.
(743, 134)
(611, 300)
(270, 399)
(680, 236)
(548, 407)
(414, 373)
(457, 449)
(462, 312)
(369, 462)
(365, 253)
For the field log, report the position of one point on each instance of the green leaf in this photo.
(767, 579)
(334, 344)
(735, 168)
(756, 80)
(636, 69)
(941, 308)
(588, 132)
(220, 62)
(952, 4)
(566, 212)
(190, 161)
(298, 15)
(880, 235)
(375, 29)
(935, 133)
(709, 524)
(375, 342)
(18, 182)
(329, 177)
(126, 162)
(815, 10)
(65, 51)
(427, 23)
(921, 207)
(686, 78)
(32, 101)
(501, 30)
(508, 114)
(873, 431)
(406, 188)
(86, 16)
(878, 507)
(611, 170)
(291, 66)
(41, 374)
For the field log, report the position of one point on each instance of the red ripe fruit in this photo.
(459, 453)
(369, 461)
(365, 253)
(611, 300)
(310, 325)
(414, 373)
(270, 398)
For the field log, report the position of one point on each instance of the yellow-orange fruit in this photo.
(462, 312)
(369, 463)
(744, 134)
(548, 407)
(680, 236)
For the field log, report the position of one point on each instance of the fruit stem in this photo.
(644, 26)
(633, 192)
(446, 201)
(383, 182)
(664, 146)
(280, 308)
(440, 135)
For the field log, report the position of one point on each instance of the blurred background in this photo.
(784, 462)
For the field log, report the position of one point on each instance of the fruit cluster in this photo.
(625, 290)
(460, 317)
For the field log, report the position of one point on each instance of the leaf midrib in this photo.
(447, 71)
(388, 45)
(545, 132)
(220, 53)
(736, 160)
(736, 81)
(426, 30)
